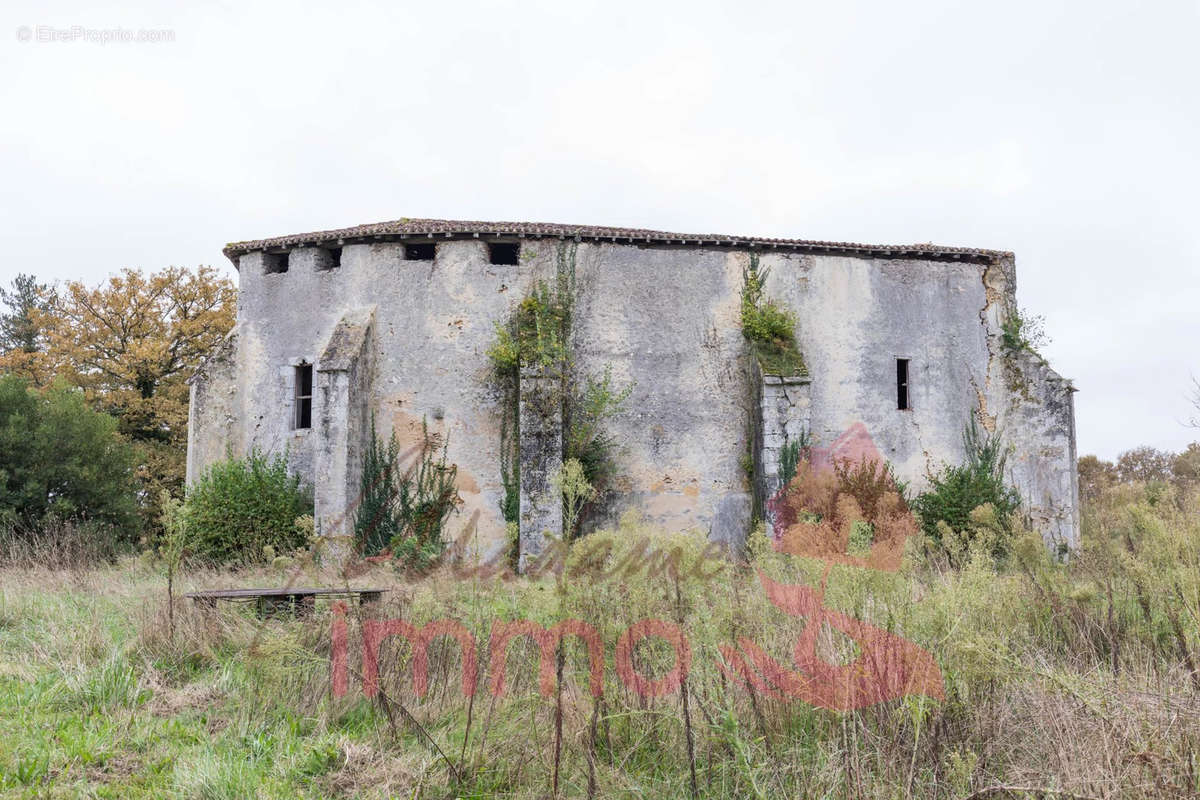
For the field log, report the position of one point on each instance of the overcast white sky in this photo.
(1066, 132)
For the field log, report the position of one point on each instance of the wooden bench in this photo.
(300, 601)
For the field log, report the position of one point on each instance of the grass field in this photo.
(1065, 680)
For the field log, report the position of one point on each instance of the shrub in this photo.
(537, 334)
(852, 514)
(59, 458)
(790, 456)
(406, 509)
(576, 491)
(958, 491)
(599, 400)
(375, 521)
(242, 505)
(1024, 331)
(769, 328)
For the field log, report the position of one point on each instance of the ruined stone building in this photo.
(390, 324)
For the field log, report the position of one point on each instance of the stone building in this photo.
(390, 324)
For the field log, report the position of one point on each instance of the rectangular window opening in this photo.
(303, 397)
(275, 263)
(332, 259)
(423, 251)
(902, 384)
(504, 253)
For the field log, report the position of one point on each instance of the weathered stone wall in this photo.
(341, 421)
(856, 317)
(785, 418)
(215, 411)
(667, 319)
(1034, 409)
(541, 453)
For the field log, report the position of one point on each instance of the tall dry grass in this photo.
(1060, 679)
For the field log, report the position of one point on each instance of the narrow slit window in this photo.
(303, 398)
(275, 263)
(423, 251)
(902, 384)
(504, 253)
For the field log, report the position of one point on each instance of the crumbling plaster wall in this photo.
(433, 323)
(667, 319)
(1034, 407)
(214, 408)
(856, 317)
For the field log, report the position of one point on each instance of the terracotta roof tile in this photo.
(444, 228)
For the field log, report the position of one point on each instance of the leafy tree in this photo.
(131, 343)
(1144, 464)
(1186, 465)
(60, 458)
(1095, 476)
(22, 338)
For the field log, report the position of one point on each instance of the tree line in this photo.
(1139, 465)
(94, 394)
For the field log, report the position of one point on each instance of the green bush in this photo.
(59, 458)
(536, 336)
(946, 510)
(768, 327)
(240, 506)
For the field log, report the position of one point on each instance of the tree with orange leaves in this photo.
(131, 343)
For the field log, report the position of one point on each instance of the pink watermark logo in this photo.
(887, 666)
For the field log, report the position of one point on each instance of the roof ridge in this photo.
(405, 227)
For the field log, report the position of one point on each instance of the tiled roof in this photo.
(456, 229)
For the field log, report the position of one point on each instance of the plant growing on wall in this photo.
(1024, 331)
(769, 328)
(586, 441)
(406, 509)
(576, 491)
(790, 455)
(538, 336)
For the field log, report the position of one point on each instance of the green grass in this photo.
(98, 699)
(779, 357)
